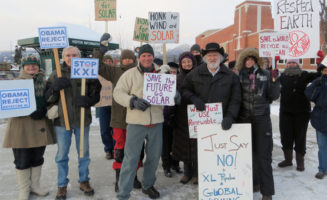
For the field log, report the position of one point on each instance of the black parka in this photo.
(92, 90)
(223, 87)
(257, 100)
(292, 98)
(184, 147)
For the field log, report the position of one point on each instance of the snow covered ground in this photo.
(289, 183)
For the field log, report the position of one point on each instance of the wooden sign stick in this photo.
(164, 57)
(62, 93)
(81, 136)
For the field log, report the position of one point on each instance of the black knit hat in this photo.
(158, 61)
(173, 64)
(195, 47)
(146, 49)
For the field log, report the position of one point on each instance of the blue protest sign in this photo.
(16, 98)
(53, 37)
(85, 68)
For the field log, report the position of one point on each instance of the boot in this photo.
(86, 188)
(299, 162)
(61, 193)
(264, 197)
(24, 183)
(288, 154)
(185, 179)
(117, 180)
(195, 180)
(137, 184)
(35, 186)
(256, 188)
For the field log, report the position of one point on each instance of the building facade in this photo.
(250, 19)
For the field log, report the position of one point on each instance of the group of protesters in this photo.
(246, 88)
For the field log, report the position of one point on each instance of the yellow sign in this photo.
(141, 30)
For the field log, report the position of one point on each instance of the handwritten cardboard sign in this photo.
(225, 162)
(212, 115)
(274, 44)
(53, 37)
(16, 98)
(141, 30)
(105, 10)
(85, 68)
(301, 20)
(105, 93)
(324, 61)
(159, 89)
(163, 27)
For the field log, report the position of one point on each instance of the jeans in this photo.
(134, 141)
(322, 152)
(105, 129)
(64, 139)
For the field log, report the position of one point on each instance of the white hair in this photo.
(71, 47)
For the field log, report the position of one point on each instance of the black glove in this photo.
(61, 83)
(139, 103)
(119, 155)
(83, 101)
(226, 123)
(177, 98)
(199, 104)
(104, 43)
(39, 113)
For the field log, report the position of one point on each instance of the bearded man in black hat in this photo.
(213, 82)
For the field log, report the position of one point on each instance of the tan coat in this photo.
(129, 84)
(24, 132)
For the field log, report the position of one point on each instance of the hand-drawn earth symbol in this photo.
(299, 43)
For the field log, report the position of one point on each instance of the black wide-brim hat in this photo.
(213, 47)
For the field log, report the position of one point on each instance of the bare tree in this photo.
(323, 24)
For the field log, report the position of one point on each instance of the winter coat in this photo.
(131, 84)
(118, 112)
(317, 93)
(257, 94)
(25, 132)
(292, 98)
(223, 87)
(92, 90)
(184, 148)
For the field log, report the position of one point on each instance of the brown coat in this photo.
(24, 132)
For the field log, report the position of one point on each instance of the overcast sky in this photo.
(21, 18)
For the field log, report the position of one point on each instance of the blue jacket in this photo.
(317, 93)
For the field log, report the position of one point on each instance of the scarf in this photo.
(39, 86)
(292, 71)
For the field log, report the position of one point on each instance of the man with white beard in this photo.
(213, 82)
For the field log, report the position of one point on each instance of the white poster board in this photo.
(163, 27)
(273, 44)
(87, 68)
(301, 20)
(17, 98)
(225, 162)
(159, 89)
(53, 37)
(212, 115)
